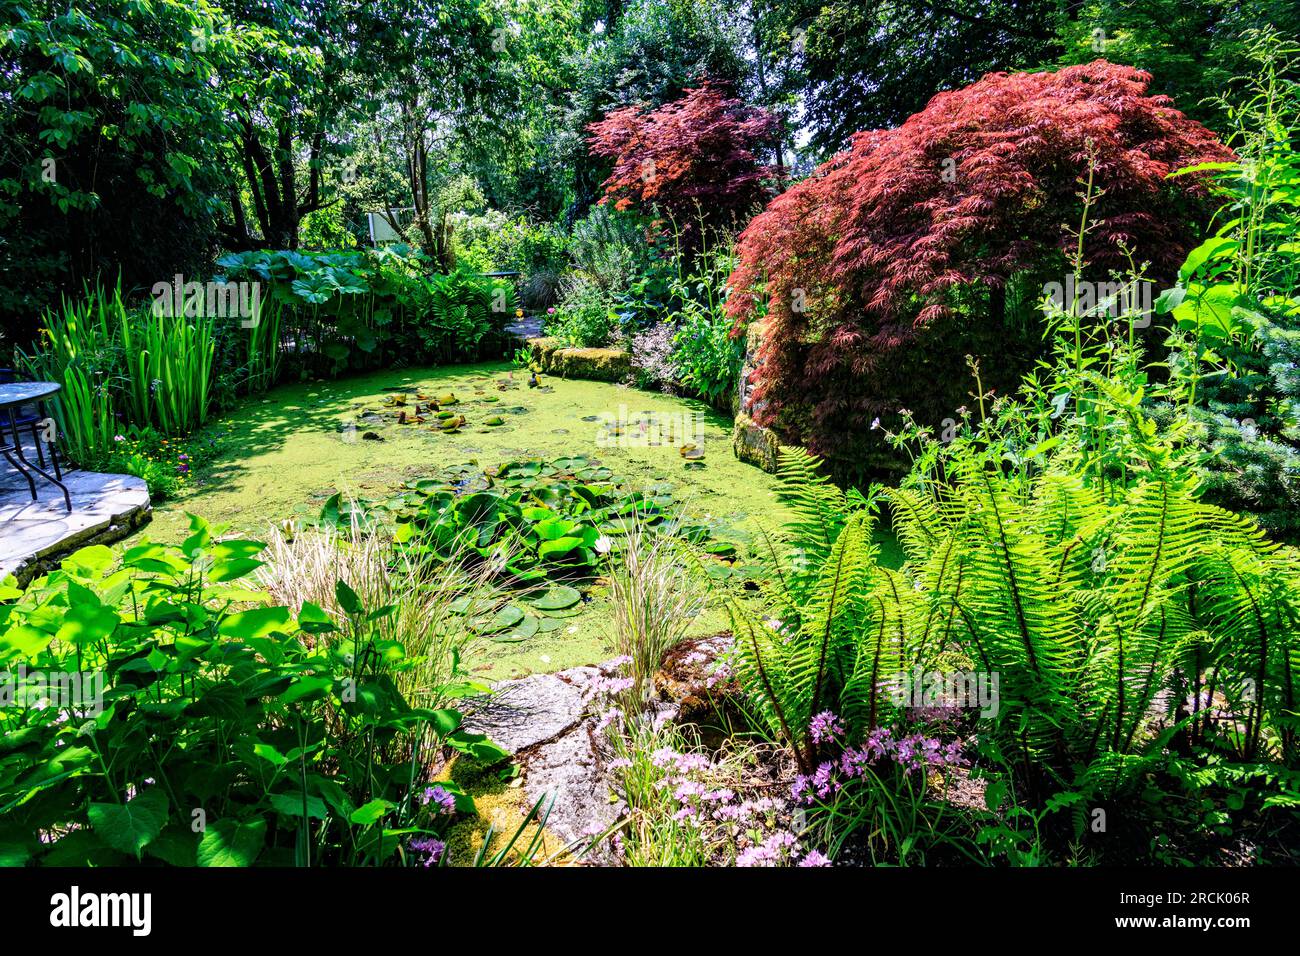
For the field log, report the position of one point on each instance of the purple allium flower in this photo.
(815, 858)
(610, 686)
(687, 790)
(825, 727)
(431, 848)
(799, 790)
(664, 756)
(446, 801)
(770, 852)
(754, 856)
(824, 780)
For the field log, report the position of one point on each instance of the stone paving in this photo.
(36, 535)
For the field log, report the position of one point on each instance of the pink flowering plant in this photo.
(885, 788)
(685, 806)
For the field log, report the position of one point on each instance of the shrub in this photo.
(652, 356)
(696, 155)
(708, 356)
(584, 317)
(537, 251)
(1141, 637)
(957, 213)
(611, 249)
(1238, 294)
(366, 309)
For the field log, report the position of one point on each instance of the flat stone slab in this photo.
(550, 723)
(530, 711)
(35, 535)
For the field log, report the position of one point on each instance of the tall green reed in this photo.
(169, 368)
(262, 360)
(79, 348)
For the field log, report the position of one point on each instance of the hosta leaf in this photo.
(86, 624)
(259, 622)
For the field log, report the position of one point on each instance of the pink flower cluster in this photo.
(430, 849)
(751, 823)
(778, 849)
(445, 801)
(915, 752)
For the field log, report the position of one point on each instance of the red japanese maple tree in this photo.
(696, 156)
(887, 241)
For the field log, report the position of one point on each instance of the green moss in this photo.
(601, 365)
(754, 444)
(500, 806)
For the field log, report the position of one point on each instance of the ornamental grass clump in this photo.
(653, 598)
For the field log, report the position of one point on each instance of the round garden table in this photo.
(12, 396)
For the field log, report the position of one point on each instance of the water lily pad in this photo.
(495, 420)
(448, 399)
(507, 617)
(557, 599)
(525, 629)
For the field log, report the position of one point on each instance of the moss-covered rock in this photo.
(600, 365)
(754, 444)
